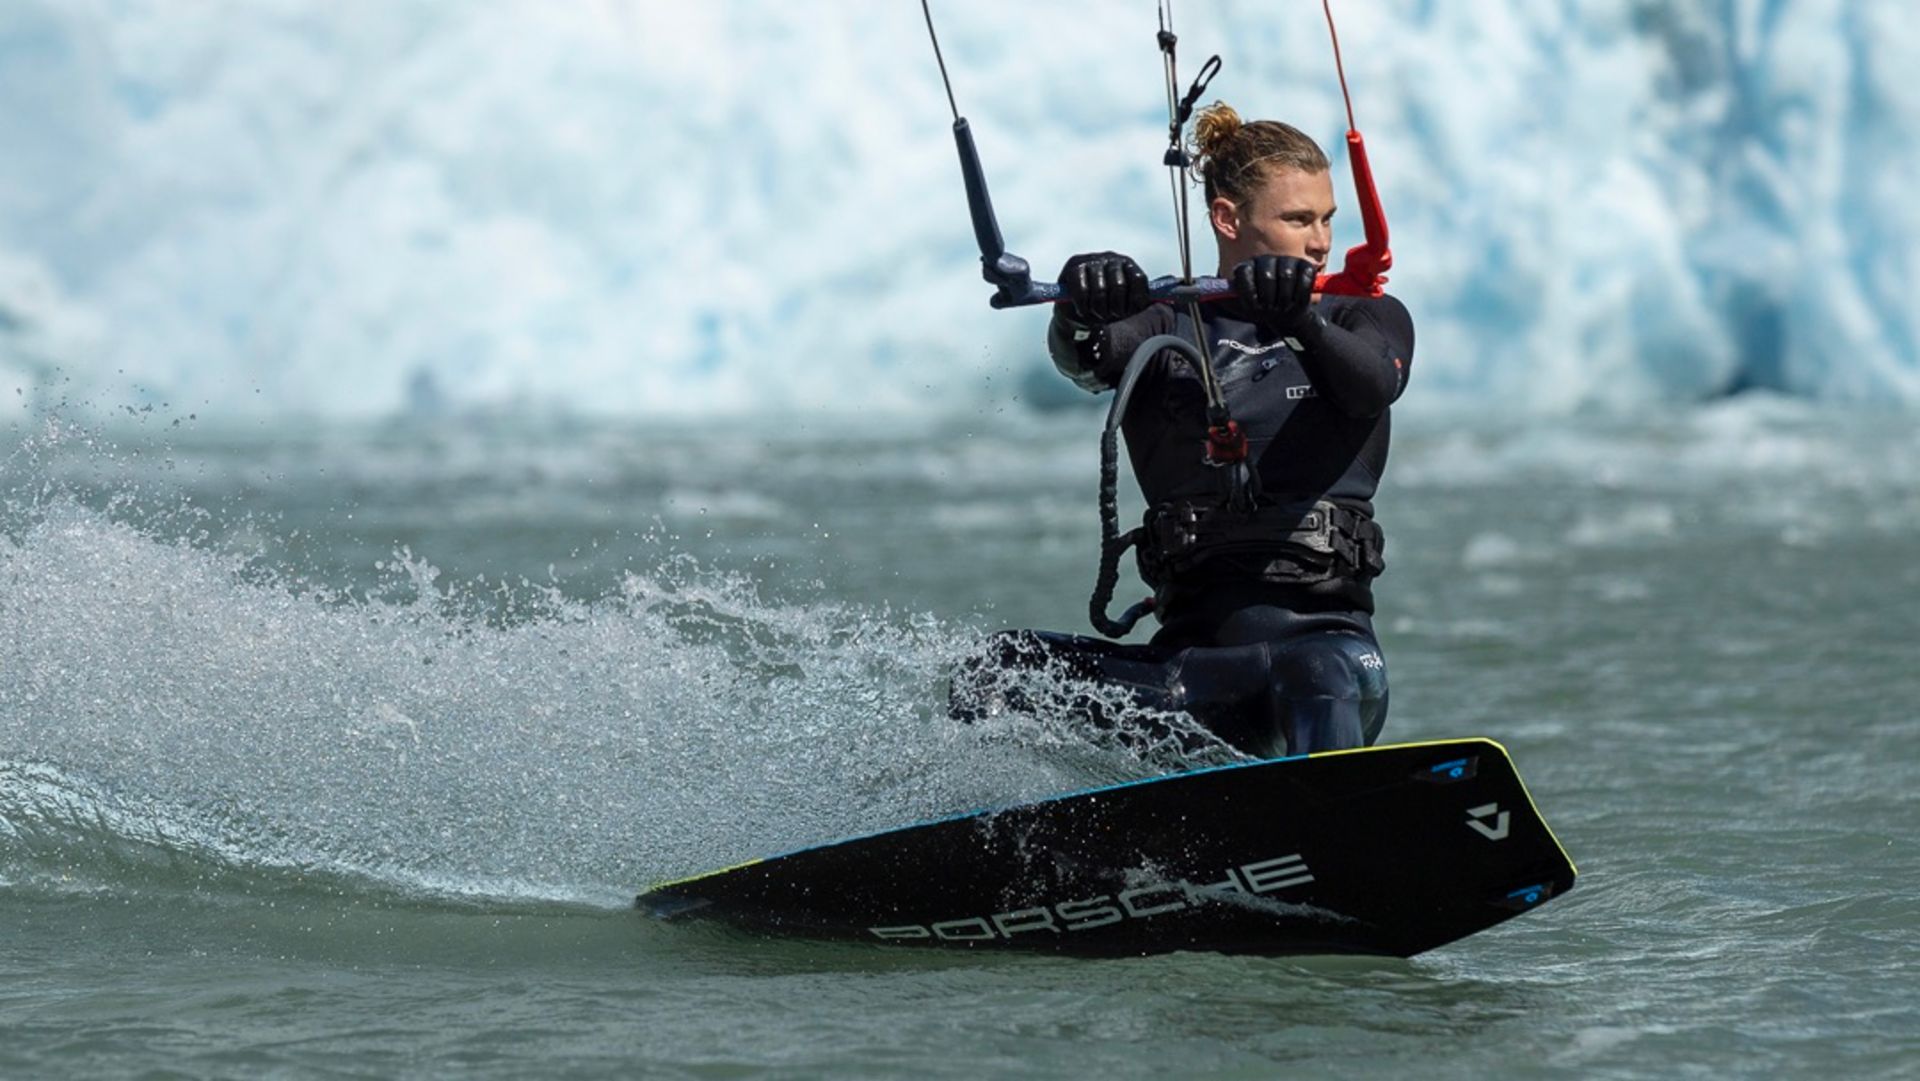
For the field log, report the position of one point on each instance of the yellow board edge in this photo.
(1504, 753)
(705, 874)
(1495, 744)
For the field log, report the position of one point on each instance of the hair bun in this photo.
(1214, 128)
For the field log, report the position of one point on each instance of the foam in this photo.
(180, 708)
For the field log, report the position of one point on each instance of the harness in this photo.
(1278, 543)
(1258, 538)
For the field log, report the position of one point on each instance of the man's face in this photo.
(1291, 213)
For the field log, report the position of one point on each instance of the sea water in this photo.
(342, 749)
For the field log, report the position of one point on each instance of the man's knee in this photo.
(1330, 692)
(1331, 665)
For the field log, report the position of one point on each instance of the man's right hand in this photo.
(1103, 287)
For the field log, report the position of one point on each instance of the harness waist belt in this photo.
(1273, 543)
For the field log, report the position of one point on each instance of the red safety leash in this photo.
(1364, 272)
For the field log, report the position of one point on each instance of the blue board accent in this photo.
(1464, 765)
(1531, 895)
(1050, 799)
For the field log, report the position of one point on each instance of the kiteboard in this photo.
(1388, 850)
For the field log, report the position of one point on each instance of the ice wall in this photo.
(352, 208)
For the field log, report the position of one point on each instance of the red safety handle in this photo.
(1363, 274)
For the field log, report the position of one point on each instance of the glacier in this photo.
(356, 209)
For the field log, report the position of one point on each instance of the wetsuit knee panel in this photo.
(1337, 665)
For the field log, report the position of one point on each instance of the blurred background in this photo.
(368, 209)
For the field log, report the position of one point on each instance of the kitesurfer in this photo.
(1264, 592)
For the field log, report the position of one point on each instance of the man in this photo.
(1266, 611)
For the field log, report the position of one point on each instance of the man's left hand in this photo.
(1279, 289)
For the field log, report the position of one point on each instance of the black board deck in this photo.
(1384, 850)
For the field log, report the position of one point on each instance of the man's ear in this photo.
(1225, 217)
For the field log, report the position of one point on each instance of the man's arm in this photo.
(1094, 357)
(1107, 314)
(1359, 359)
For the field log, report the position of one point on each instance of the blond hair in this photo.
(1233, 157)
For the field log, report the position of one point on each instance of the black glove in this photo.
(1103, 287)
(1279, 289)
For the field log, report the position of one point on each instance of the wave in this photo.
(178, 718)
(63, 836)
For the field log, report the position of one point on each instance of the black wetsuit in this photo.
(1270, 662)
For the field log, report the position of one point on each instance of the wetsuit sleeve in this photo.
(1359, 358)
(1095, 357)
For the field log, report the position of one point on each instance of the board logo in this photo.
(1489, 821)
(1138, 903)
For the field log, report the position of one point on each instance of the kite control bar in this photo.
(1011, 275)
